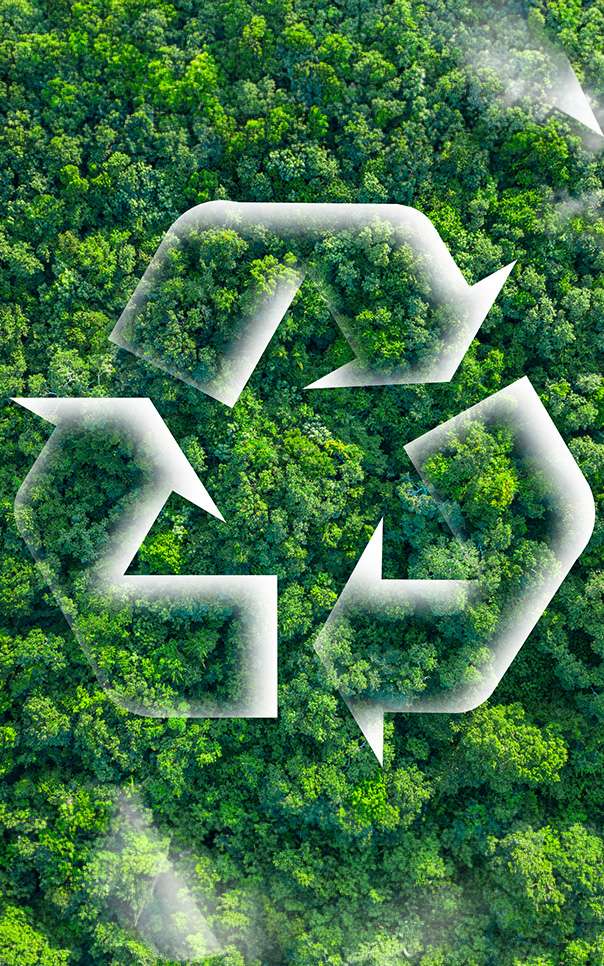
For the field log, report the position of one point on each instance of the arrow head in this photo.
(471, 307)
(570, 98)
(140, 418)
(474, 306)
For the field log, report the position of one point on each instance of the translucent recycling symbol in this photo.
(274, 247)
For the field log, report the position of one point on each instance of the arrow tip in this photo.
(143, 417)
(370, 718)
(45, 407)
(473, 302)
(181, 476)
(349, 375)
(369, 564)
(485, 292)
(571, 99)
(193, 490)
(184, 480)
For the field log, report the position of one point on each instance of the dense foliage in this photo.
(481, 840)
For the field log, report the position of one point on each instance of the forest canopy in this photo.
(480, 842)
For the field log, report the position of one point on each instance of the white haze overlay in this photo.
(518, 408)
(526, 65)
(468, 304)
(166, 470)
(588, 206)
(136, 884)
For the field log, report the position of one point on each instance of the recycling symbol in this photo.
(294, 241)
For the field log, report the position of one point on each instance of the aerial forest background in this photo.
(480, 842)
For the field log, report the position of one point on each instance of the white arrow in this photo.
(467, 304)
(571, 506)
(165, 470)
(503, 44)
(366, 592)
